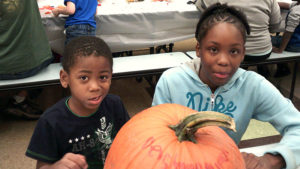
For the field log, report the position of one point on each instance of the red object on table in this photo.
(48, 7)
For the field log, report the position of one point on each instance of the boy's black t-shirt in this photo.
(59, 131)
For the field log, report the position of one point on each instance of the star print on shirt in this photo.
(82, 138)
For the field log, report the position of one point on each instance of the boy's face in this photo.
(221, 51)
(89, 80)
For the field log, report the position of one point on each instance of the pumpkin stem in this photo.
(187, 127)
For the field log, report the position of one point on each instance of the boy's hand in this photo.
(56, 12)
(267, 161)
(69, 161)
(65, 10)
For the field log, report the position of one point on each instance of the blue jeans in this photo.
(79, 30)
(27, 73)
(276, 40)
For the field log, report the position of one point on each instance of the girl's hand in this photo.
(267, 161)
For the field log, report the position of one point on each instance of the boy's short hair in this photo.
(218, 13)
(85, 46)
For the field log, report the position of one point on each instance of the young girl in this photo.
(215, 82)
(263, 17)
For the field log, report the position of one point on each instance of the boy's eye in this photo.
(103, 77)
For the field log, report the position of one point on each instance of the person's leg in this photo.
(70, 34)
(21, 103)
(79, 30)
(3, 99)
(291, 48)
(91, 31)
(282, 68)
(276, 40)
(250, 58)
(28, 73)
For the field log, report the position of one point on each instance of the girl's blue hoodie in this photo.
(246, 96)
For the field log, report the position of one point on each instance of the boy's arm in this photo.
(98, 2)
(69, 161)
(68, 10)
(284, 41)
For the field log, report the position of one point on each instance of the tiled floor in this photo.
(15, 133)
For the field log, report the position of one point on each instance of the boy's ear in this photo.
(64, 78)
(198, 50)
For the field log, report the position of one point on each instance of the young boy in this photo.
(78, 130)
(81, 20)
(215, 82)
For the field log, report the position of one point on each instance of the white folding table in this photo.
(131, 66)
(129, 26)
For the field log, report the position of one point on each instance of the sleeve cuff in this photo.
(286, 153)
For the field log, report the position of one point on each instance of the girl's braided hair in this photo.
(218, 13)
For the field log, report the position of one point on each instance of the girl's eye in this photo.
(213, 50)
(235, 51)
(84, 78)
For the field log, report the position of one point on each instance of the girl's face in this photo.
(221, 51)
(89, 80)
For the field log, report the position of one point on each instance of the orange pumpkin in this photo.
(147, 142)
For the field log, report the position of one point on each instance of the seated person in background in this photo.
(263, 17)
(290, 41)
(81, 20)
(24, 51)
(214, 82)
(78, 130)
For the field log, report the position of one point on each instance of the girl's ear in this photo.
(198, 50)
(64, 78)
